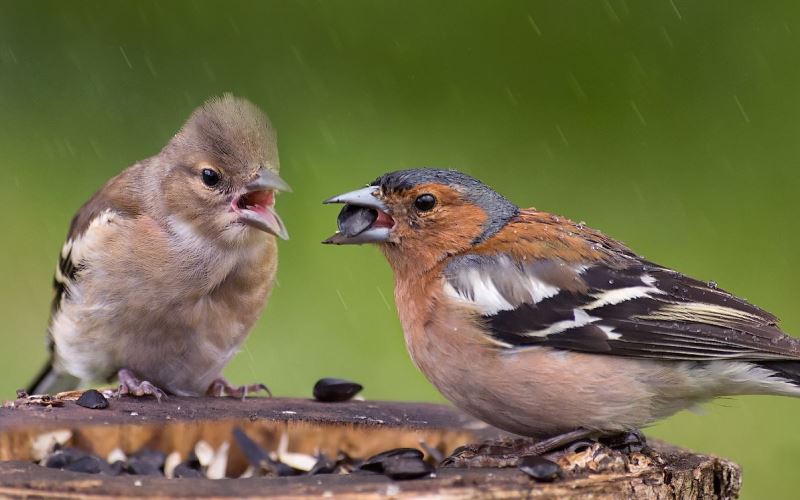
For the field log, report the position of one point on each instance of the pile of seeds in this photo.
(204, 461)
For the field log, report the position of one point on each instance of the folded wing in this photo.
(628, 307)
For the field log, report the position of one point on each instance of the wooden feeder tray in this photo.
(359, 428)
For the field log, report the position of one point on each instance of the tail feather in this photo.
(50, 381)
(788, 370)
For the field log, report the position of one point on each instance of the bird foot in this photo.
(221, 388)
(625, 442)
(130, 384)
(508, 452)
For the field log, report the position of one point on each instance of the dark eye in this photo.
(210, 177)
(425, 202)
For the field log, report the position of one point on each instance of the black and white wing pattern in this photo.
(72, 256)
(93, 218)
(634, 308)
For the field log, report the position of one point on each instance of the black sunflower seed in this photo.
(141, 468)
(192, 461)
(346, 463)
(259, 458)
(354, 220)
(324, 465)
(256, 456)
(185, 470)
(146, 462)
(402, 467)
(375, 462)
(87, 464)
(92, 399)
(64, 457)
(152, 456)
(116, 468)
(331, 390)
(539, 468)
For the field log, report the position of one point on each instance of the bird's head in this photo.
(222, 174)
(420, 216)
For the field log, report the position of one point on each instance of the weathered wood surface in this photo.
(174, 408)
(360, 428)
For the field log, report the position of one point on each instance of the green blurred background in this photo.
(672, 125)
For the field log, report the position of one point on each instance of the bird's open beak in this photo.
(256, 205)
(363, 219)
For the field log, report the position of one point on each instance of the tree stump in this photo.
(357, 428)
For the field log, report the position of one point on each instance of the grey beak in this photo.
(375, 235)
(361, 197)
(267, 179)
(356, 225)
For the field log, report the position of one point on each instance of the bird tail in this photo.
(789, 370)
(50, 381)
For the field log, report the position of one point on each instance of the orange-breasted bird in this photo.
(542, 326)
(167, 267)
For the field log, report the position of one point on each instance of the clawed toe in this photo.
(131, 385)
(625, 442)
(222, 388)
(556, 442)
(507, 453)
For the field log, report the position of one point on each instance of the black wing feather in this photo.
(682, 319)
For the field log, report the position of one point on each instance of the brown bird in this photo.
(167, 267)
(541, 326)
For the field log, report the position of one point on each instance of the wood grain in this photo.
(359, 428)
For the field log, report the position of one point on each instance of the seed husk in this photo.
(44, 444)
(204, 453)
(219, 464)
(116, 455)
(298, 461)
(171, 462)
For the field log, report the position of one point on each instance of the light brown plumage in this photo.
(168, 266)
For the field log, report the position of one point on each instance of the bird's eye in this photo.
(210, 177)
(425, 202)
